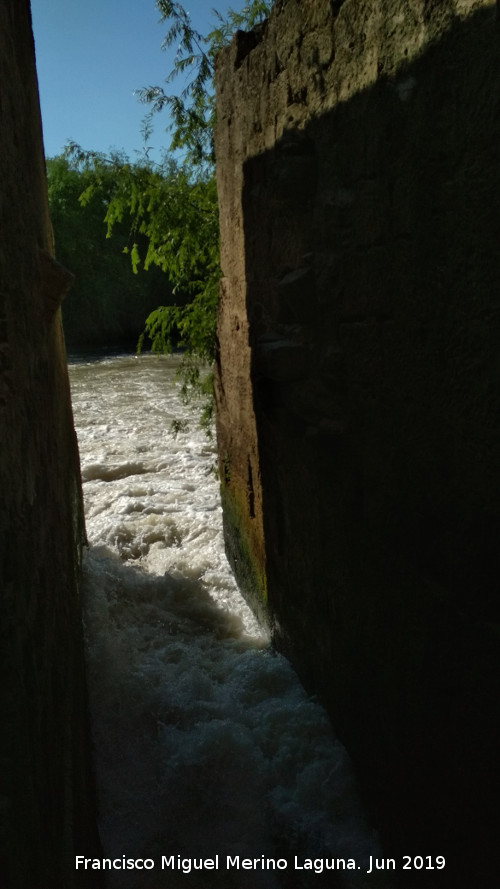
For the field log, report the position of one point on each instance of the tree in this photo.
(171, 219)
(193, 111)
(174, 205)
(107, 304)
(192, 124)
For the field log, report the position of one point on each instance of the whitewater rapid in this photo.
(205, 742)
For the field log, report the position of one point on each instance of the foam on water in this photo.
(205, 741)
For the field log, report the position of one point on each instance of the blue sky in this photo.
(91, 56)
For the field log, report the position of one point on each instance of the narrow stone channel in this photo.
(207, 747)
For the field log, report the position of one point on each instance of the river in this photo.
(205, 741)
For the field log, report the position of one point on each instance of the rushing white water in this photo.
(205, 742)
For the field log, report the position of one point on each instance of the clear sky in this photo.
(91, 55)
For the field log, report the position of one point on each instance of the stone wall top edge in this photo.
(310, 56)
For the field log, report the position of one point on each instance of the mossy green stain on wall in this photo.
(245, 550)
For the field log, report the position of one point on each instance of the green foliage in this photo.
(173, 224)
(172, 206)
(252, 14)
(192, 111)
(192, 115)
(106, 304)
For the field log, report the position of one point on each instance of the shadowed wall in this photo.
(358, 384)
(46, 791)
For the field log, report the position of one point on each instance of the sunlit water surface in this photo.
(205, 741)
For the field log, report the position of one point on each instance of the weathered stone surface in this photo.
(357, 148)
(46, 791)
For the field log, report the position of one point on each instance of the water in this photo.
(205, 742)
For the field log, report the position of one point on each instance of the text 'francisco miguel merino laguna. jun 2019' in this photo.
(262, 863)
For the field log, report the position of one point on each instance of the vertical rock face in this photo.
(358, 384)
(45, 788)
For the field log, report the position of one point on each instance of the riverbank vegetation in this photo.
(164, 215)
(107, 303)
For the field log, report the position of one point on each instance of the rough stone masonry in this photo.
(358, 389)
(46, 789)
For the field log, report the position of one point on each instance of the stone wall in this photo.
(358, 384)
(46, 795)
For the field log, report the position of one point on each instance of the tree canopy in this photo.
(192, 112)
(107, 303)
(171, 207)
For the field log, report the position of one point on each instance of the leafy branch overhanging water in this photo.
(173, 204)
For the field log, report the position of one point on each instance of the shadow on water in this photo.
(91, 354)
(205, 742)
